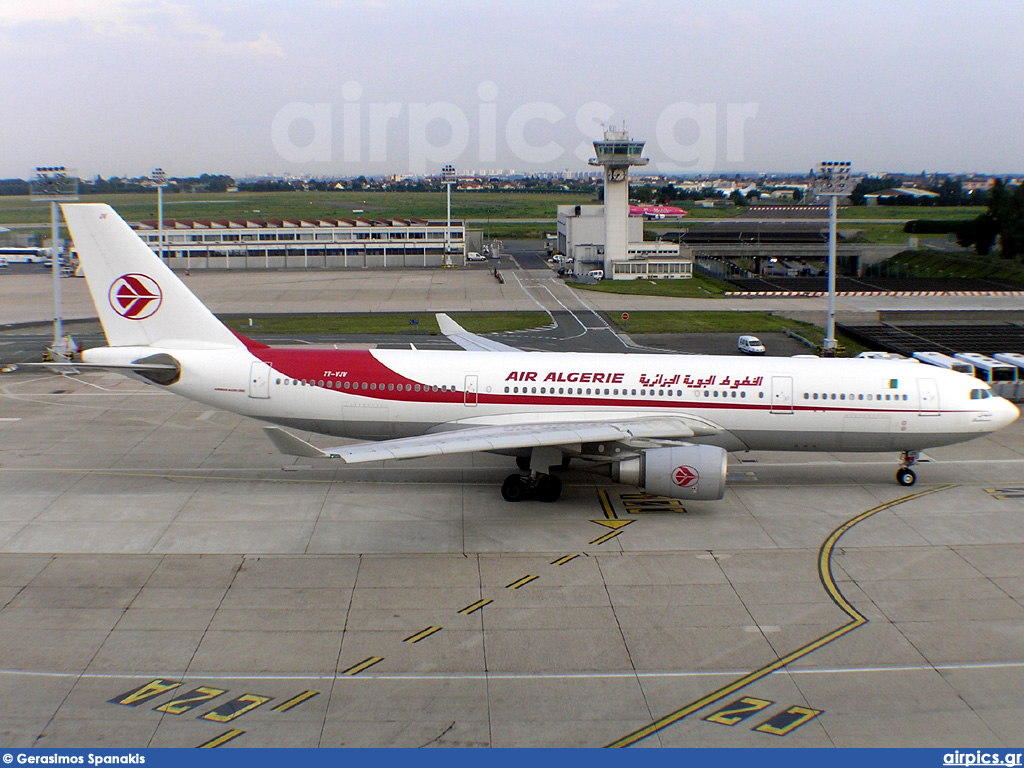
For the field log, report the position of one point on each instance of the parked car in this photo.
(597, 274)
(750, 345)
(474, 256)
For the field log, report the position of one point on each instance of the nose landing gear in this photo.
(905, 475)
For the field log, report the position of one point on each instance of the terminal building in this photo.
(302, 243)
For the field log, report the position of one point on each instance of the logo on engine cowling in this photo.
(685, 477)
(135, 296)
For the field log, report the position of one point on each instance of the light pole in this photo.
(160, 180)
(53, 184)
(448, 178)
(832, 181)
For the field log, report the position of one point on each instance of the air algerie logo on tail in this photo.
(135, 296)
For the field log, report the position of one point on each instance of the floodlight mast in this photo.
(160, 180)
(832, 181)
(448, 178)
(53, 184)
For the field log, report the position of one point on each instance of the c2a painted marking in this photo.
(788, 721)
(224, 738)
(145, 692)
(190, 700)
(639, 503)
(738, 711)
(237, 707)
(1006, 493)
(294, 701)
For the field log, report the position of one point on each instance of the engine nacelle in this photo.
(694, 472)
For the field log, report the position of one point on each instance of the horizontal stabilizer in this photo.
(290, 445)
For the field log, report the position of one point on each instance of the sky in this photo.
(348, 87)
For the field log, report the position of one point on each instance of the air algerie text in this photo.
(581, 377)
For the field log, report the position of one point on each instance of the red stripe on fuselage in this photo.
(358, 366)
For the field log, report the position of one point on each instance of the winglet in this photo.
(290, 445)
(466, 340)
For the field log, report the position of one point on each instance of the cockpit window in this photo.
(980, 394)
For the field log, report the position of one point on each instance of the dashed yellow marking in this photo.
(564, 559)
(294, 701)
(224, 738)
(827, 580)
(422, 634)
(521, 582)
(474, 607)
(606, 537)
(363, 665)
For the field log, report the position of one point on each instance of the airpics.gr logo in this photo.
(135, 296)
(685, 477)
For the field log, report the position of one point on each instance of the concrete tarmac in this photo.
(168, 579)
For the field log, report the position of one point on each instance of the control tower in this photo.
(615, 153)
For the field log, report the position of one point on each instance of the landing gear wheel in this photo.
(514, 488)
(549, 488)
(905, 476)
(523, 462)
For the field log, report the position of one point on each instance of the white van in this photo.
(597, 274)
(750, 345)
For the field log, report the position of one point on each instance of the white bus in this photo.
(945, 361)
(1014, 359)
(987, 368)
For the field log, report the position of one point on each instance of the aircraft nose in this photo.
(1006, 414)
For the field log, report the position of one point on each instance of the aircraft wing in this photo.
(469, 341)
(642, 430)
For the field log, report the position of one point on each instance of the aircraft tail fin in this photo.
(140, 301)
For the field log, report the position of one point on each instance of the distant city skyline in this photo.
(338, 88)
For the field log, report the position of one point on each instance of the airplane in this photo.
(661, 422)
(655, 211)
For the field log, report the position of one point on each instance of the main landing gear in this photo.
(532, 486)
(905, 475)
(539, 484)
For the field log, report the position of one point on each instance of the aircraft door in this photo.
(472, 388)
(782, 394)
(259, 380)
(928, 397)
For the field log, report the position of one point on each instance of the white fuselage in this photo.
(773, 403)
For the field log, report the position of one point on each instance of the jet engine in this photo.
(695, 472)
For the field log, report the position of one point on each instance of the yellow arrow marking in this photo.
(613, 524)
